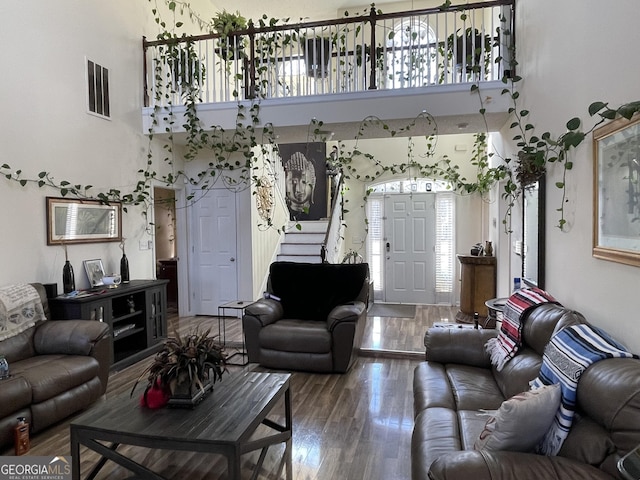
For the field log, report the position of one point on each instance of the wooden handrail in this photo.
(372, 16)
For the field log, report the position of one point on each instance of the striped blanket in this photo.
(509, 340)
(568, 354)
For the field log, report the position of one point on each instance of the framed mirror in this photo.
(533, 233)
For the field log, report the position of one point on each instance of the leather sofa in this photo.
(457, 382)
(318, 323)
(57, 368)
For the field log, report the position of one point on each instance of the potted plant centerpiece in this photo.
(225, 24)
(183, 371)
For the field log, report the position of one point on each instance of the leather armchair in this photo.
(319, 321)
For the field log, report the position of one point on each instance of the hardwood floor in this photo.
(352, 426)
(384, 334)
(404, 334)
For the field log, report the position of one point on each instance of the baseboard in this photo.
(401, 354)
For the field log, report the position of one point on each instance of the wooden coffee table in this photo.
(223, 423)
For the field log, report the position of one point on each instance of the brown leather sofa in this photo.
(317, 325)
(56, 369)
(457, 381)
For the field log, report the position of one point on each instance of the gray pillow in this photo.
(521, 421)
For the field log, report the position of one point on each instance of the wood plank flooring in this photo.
(352, 426)
(386, 334)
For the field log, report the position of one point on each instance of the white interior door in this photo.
(409, 246)
(214, 276)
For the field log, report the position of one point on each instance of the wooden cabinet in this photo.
(136, 313)
(478, 284)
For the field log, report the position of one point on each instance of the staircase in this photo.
(303, 245)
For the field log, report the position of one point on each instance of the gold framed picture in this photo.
(82, 221)
(616, 190)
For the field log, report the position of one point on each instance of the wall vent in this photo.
(98, 90)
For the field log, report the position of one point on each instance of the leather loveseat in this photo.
(318, 323)
(457, 384)
(56, 369)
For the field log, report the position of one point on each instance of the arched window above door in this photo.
(411, 185)
(411, 54)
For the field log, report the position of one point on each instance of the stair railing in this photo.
(330, 249)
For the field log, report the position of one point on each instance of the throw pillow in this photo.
(521, 421)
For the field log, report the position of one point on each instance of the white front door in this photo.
(214, 275)
(409, 246)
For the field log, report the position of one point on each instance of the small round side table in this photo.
(494, 308)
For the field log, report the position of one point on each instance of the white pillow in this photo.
(521, 421)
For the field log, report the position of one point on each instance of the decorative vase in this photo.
(68, 280)
(124, 268)
(4, 368)
(488, 249)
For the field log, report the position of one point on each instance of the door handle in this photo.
(232, 259)
(388, 247)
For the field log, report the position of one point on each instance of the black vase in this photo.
(124, 268)
(68, 280)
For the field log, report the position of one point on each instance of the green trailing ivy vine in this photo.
(241, 158)
(537, 152)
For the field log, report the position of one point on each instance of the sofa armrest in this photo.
(458, 345)
(265, 311)
(503, 465)
(77, 337)
(348, 312)
(70, 337)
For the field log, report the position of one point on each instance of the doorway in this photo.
(164, 214)
(213, 272)
(410, 241)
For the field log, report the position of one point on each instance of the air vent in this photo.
(98, 90)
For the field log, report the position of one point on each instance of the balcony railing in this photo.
(419, 48)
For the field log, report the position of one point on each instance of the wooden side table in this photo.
(478, 284)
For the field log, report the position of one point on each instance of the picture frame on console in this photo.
(83, 221)
(616, 190)
(95, 272)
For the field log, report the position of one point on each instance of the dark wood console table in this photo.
(135, 311)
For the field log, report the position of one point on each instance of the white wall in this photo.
(45, 127)
(571, 54)
(266, 240)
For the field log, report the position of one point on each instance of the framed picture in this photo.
(95, 271)
(82, 221)
(306, 179)
(616, 212)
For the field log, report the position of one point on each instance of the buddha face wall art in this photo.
(306, 182)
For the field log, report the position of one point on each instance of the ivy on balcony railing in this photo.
(371, 51)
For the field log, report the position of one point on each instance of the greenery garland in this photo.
(234, 161)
